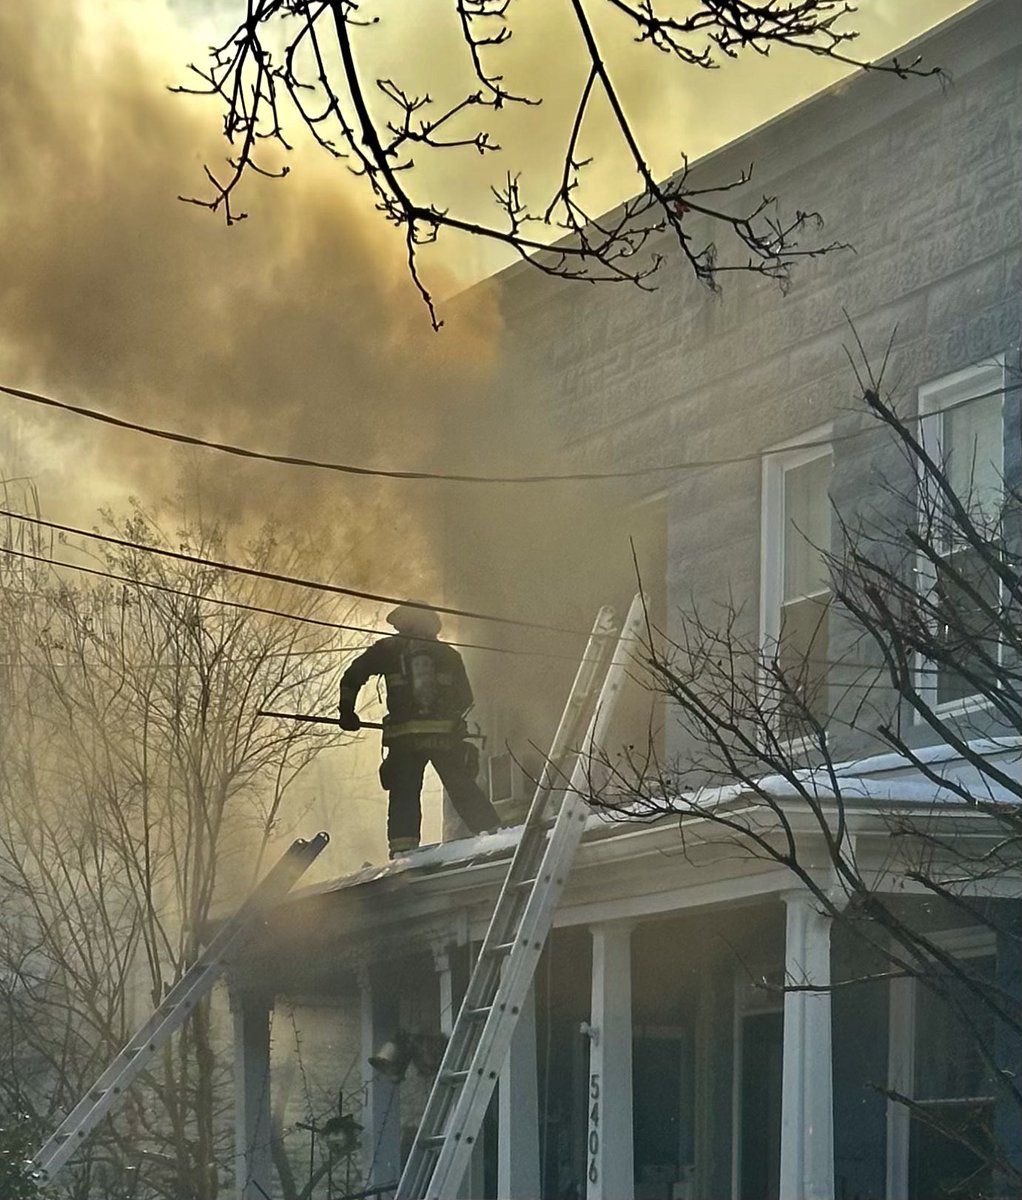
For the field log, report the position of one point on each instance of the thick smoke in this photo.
(295, 331)
(298, 331)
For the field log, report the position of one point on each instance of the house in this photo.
(660, 1055)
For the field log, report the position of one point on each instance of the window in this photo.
(795, 585)
(962, 431)
(934, 1148)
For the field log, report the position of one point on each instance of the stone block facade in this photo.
(922, 178)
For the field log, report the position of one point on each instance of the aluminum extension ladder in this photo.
(173, 1011)
(518, 930)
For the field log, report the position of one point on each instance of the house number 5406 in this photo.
(594, 1126)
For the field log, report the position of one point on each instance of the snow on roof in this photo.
(856, 782)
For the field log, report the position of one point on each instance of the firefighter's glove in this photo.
(349, 720)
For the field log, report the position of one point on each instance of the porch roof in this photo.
(629, 867)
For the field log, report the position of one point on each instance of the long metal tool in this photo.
(267, 712)
(518, 930)
(182, 998)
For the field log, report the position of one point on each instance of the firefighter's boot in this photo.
(402, 845)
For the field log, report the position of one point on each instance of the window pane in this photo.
(952, 1129)
(802, 657)
(966, 632)
(762, 1060)
(948, 1157)
(948, 1061)
(806, 527)
(972, 453)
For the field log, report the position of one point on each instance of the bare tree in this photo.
(139, 788)
(306, 59)
(923, 609)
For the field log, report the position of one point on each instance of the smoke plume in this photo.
(297, 330)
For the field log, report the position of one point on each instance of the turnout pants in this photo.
(455, 762)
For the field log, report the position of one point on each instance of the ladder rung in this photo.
(502, 948)
(478, 1014)
(433, 1143)
(525, 883)
(453, 1078)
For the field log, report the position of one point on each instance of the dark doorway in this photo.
(662, 1113)
(762, 1042)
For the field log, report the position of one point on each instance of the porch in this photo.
(697, 1029)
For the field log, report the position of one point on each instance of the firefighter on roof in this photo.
(428, 694)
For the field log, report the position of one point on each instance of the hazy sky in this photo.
(674, 108)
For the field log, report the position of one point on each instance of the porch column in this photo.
(445, 980)
(900, 1076)
(381, 1117)
(518, 1112)
(807, 1099)
(472, 1184)
(253, 1162)
(610, 1172)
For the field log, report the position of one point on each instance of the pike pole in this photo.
(286, 716)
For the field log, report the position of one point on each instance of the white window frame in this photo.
(777, 461)
(933, 398)
(965, 943)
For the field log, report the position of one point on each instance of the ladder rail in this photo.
(582, 687)
(475, 1053)
(172, 1011)
(530, 848)
(528, 851)
(495, 1037)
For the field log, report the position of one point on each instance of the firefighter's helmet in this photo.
(418, 620)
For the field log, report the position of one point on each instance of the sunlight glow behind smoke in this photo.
(297, 331)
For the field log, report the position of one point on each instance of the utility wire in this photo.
(188, 595)
(275, 577)
(271, 612)
(375, 632)
(448, 477)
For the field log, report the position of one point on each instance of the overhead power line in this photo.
(275, 577)
(188, 595)
(283, 614)
(290, 460)
(148, 585)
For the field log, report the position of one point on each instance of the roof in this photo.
(881, 780)
(630, 865)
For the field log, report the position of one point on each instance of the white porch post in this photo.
(253, 1162)
(900, 1077)
(518, 1112)
(445, 979)
(473, 1183)
(381, 1117)
(807, 1099)
(610, 1173)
